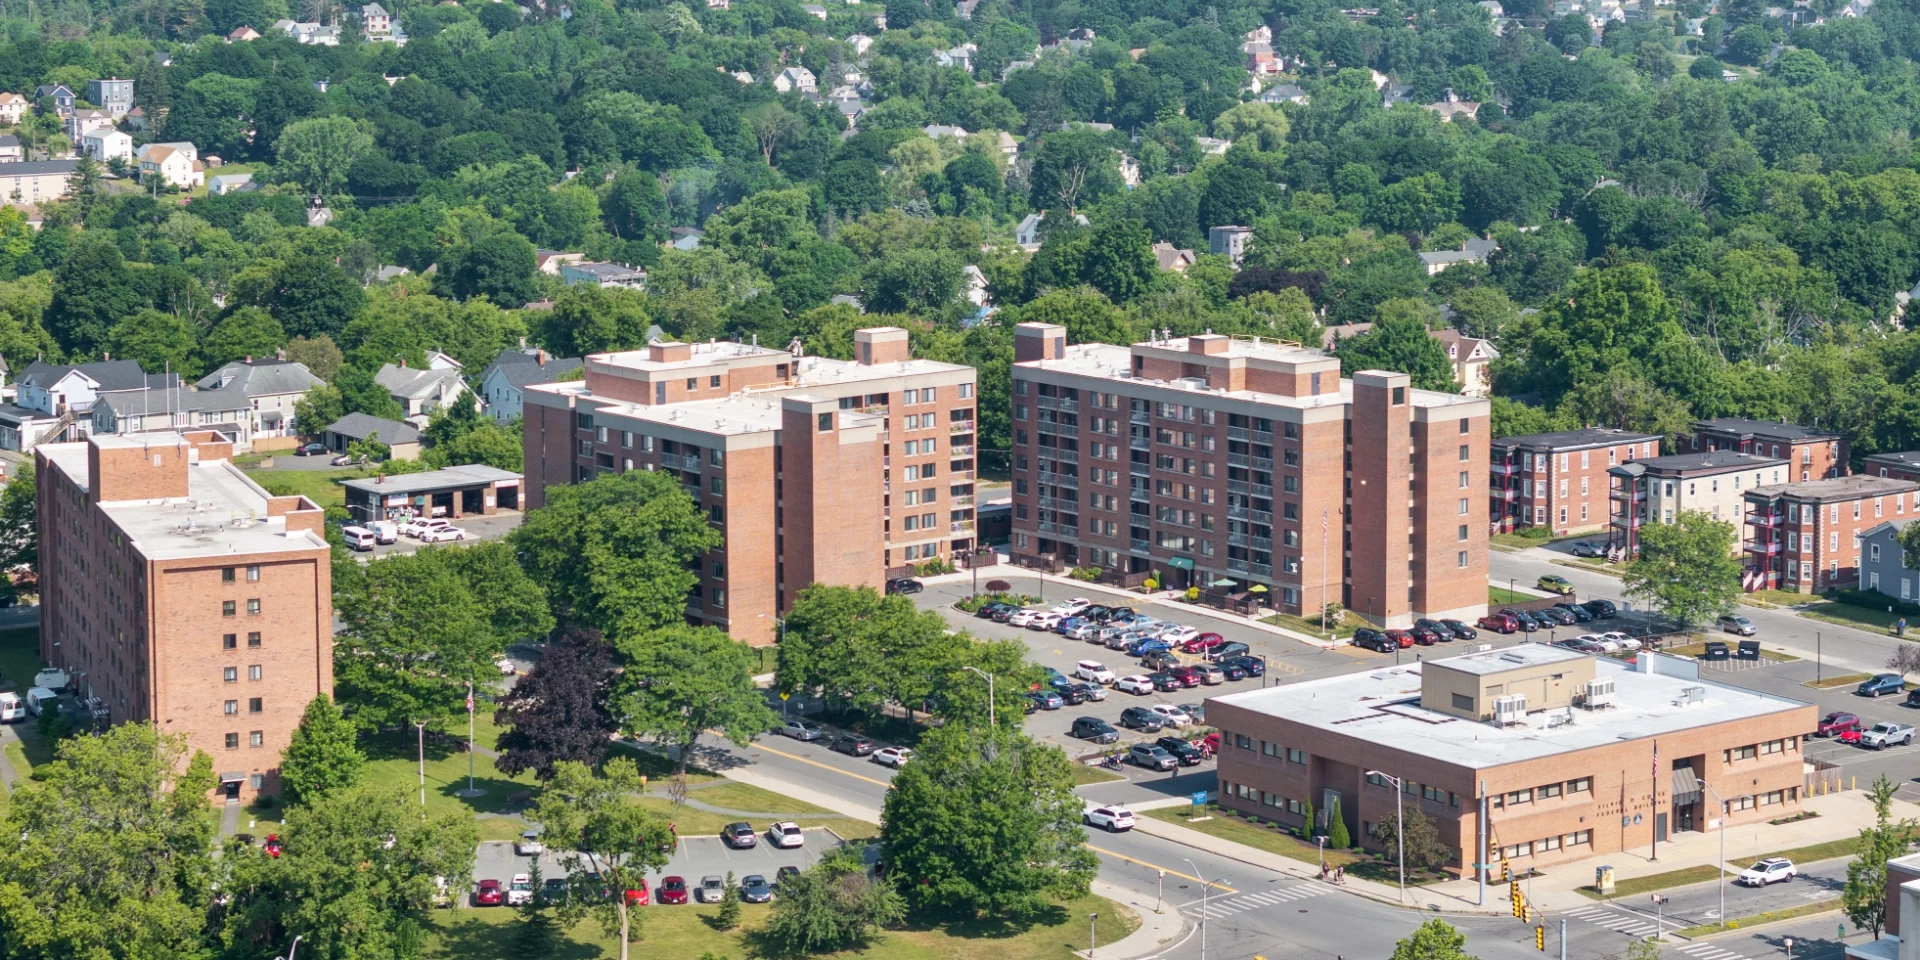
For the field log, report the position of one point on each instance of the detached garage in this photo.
(452, 493)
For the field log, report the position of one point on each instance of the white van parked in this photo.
(12, 708)
(384, 531)
(40, 698)
(52, 678)
(357, 538)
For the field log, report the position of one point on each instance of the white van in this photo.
(12, 708)
(40, 698)
(52, 678)
(357, 538)
(384, 531)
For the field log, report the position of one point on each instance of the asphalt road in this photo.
(695, 857)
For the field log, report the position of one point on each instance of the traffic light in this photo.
(1513, 894)
(1540, 938)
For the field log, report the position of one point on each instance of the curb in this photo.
(1157, 931)
(1142, 600)
(1730, 931)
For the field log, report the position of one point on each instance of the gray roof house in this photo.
(1882, 567)
(44, 391)
(402, 439)
(502, 383)
(419, 392)
(1471, 251)
(269, 387)
(165, 408)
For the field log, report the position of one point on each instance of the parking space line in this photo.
(823, 766)
(1155, 866)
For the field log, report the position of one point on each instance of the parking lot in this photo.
(695, 857)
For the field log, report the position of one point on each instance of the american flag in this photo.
(470, 699)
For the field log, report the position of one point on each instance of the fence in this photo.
(1824, 778)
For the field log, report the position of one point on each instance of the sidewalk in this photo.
(1156, 930)
(1385, 893)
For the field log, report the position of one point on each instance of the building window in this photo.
(1462, 560)
(1466, 452)
(1549, 790)
(253, 672)
(233, 708)
(226, 574)
(255, 705)
(253, 607)
(233, 741)
(253, 638)
(1581, 785)
(230, 641)
(257, 738)
(230, 674)
(1463, 506)
(1520, 796)
(227, 608)
(1296, 756)
(1462, 702)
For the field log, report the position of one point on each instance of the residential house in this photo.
(815, 10)
(46, 394)
(1029, 233)
(502, 383)
(182, 146)
(604, 275)
(309, 34)
(1806, 537)
(685, 239)
(937, 130)
(860, 43)
(1213, 146)
(12, 107)
(1883, 564)
(976, 282)
(1260, 59)
(719, 4)
(795, 78)
(11, 149)
(171, 408)
(243, 35)
(437, 360)
(550, 261)
(1472, 360)
(1559, 480)
(1229, 241)
(1259, 34)
(960, 56)
(1172, 258)
(1284, 93)
(1129, 170)
(1901, 465)
(1009, 147)
(221, 184)
(107, 144)
(375, 22)
(1657, 489)
(1449, 109)
(964, 9)
(1395, 94)
(401, 439)
(743, 76)
(268, 390)
(172, 166)
(1816, 454)
(112, 94)
(137, 119)
(82, 122)
(420, 392)
(36, 181)
(62, 97)
(1471, 251)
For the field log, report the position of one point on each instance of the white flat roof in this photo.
(1512, 658)
(1383, 706)
(1109, 362)
(223, 512)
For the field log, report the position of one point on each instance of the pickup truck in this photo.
(1887, 735)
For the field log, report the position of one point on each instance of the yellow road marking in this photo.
(823, 766)
(1155, 866)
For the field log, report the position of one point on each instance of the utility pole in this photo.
(1400, 830)
(991, 721)
(422, 725)
(1480, 869)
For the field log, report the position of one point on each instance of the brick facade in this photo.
(1806, 537)
(1559, 480)
(1814, 454)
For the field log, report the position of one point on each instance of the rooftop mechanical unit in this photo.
(1511, 708)
(1597, 694)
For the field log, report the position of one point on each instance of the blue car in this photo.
(1140, 648)
(1254, 666)
(1068, 624)
(1881, 685)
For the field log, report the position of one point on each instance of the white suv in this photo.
(1073, 606)
(1023, 618)
(1045, 621)
(521, 890)
(1770, 870)
(1093, 670)
(1113, 819)
(786, 835)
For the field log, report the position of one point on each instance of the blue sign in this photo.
(1200, 798)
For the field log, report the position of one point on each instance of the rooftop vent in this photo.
(1511, 708)
(1597, 694)
(1691, 696)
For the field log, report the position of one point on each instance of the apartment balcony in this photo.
(1767, 520)
(1249, 567)
(1055, 503)
(1248, 433)
(1505, 469)
(1140, 546)
(1250, 514)
(674, 461)
(1243, 460)
(1139, 443)
(964, 500)
(1765, 548)
(960, 426)
(1056, 429)
(960, 450)
(961, 526)
(1064, 456)
(1060, 480)
(1628, 493)
(1508, 493)
(1048, 526)
(1249, 540)
(962, 475)
(1058, 403)
(1139, 416)
(1138, 469)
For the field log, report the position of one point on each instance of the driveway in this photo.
(693, 858)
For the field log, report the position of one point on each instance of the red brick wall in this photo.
(1441, 583)
(1380, 574)
(831, 507)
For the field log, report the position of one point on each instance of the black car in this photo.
(853, 745)
(1527, 623)
(1073, 694)
(1166, 682)
(780, 876)
(1005, 612)
(740, 835)
(1115, 613)
(1461, 631)
(1368, 638)
(1160, 660)
(553, 890)
(1554, 615)
(1254, 666)
(1094, 614)
(1575, 610)
(1095, 729)
(1440, 630)
(1602, 609)
(1227, 651)
(1188, 754)
(1232, 670)
(904, 585)
(1140, 718)
(987, 610)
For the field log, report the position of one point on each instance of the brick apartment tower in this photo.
(175, 591)
(1209, 459)
(814, 469)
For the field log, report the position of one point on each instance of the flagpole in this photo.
(471, 791)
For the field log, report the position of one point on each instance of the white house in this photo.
(173, 167)
(1472, 360)
(795, 78)
(1028, 233)
(1229, 241)
(221, 184)
(420, 392)
(976, 286)
(45, 392)
(12, 107)
(503, 382)
(859, 42)
(107, 144)
(82, 122)
(1471, 251)
(11, 149)
(603, 275)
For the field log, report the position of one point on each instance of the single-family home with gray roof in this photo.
(420, 392)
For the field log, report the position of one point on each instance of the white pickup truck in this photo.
(1886, 735)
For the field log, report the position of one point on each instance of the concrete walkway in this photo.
(1156, 932)
(1299, 869)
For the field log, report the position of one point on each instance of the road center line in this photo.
(823, 766)
(1154, 866)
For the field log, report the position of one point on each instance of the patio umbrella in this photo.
(1257, 588)
(1222, 582)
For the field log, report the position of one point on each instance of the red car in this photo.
(489, 894)
(637, 894)
(1836, 724)
(1401, 637)
(272, 846)
(1424, 636)
(672, 890)
(1499, 622)
(1188, 676)
(1203, 643)
(1849, 735)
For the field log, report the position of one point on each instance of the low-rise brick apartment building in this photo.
(1657, 489)
(1210, 458)
(1815, 454)
(1554, 755)
(1900, 465)
(814, 469)
(1559, 480)
(175, 591)
(1806, 536)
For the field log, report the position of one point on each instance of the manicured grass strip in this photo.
(1503, 595)
(320, 486)
(1771, 916)
(1814, 853)
(1657, 882)
(1084, 774)
(1591, 566)
(1848, 615)
(1837, 681)
(1246, 834)
(19, 658)
(1309, 625)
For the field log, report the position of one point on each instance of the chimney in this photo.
(105, 356)
(1463, 246)
(523, 344)
(249, 358)
(540, 358)
(280, 354)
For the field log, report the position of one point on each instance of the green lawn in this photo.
(1594, 566)
(1311, 625)
(1656, 882)
(747, 799)
(1848, 615)
(1244, 833)
(1840, 680)
(19, 657)
(320, 486)
(1771, 916)
(1814, 853)
(1501, 595)
(683, 933)
(1781, 598)
(1084, 774)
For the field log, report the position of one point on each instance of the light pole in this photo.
(1400, 829)
(1205, 885)
(1323, 852)
(291, 950)
(1789, 945)
(991, 722)
(422, 725)
(1092, 938)
(1723, 847)
(1659, 917)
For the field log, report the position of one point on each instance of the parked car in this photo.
(1254, 666)
(637, 894)
(801, 729)
(1527, 623)
(1085, 630)
(489, 894)
(1022, 618)
(443, 535)
(1071, 694)
(1400, 638)
(987, 610)
(1044, 621)
(712, 890)
(1440, 630)
(1211, 674)
(1576, 611)
(1881, 685)
(1171, 715)
(1072, 607)
(1913, 698)
(1140, 648)
(1500, 622)
(553, 890)
(1770, 870)
(1834, 724)
(1203, 643)
(1737, 624)
(343, 460)
(1141, 718)
(1424, 636)
(1136, 683)
(520, 890)
(1461, 631)
(1887, 735)
(272, 846)
(1602, 609)
(740, 835)
(755, 889)
(1554, 615)
(1096, 613)
(1094, 729)
(1188, 754)
(313, 450)
(1090, 691)
(1198, 711)
(1626, 641)
(673, 890)
(784, 874)
(895, 757)
(1555, 583)
(1160, 660)
(529, 844)
(1188, 676)
(1180, 634)
(1165, 682)
(1152, 757)
(1093, 670)
(1593, 549)
(1112, 818)
(1227, 651)
(786, 835)
(1368, 638)
(853, 745)
(905, 585)
(1047, 699)
(1583, 645)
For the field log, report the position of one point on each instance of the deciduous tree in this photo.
(832, 906)
(1865, 897)
(595, 823)
(681, 681)
(1686, 568)
(323, 756)
(1434, 940)
(559, 710)
(317, 152)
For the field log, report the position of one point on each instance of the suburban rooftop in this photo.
(1589, 437)
(1383, 706)
(1710, 461)
(1766, 428)
(1836, 488)
(1111, 362)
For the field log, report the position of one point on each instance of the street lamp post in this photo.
(1723, 847)
(1205, 885)
(1659, 917)
(991, 721)
(292, 950)
(1092, 939)
(1788, 942)
(1400, 829)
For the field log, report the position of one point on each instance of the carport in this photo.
(452, 493)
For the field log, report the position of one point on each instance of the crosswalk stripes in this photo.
(1226, 907)
(1627, 923)
(1708, 951)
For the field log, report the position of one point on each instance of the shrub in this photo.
(934, 567)
(1193, 594)
(1151, 584)
(1875, 600)
(1536, 533)
(973, 604)
(1088, 574)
